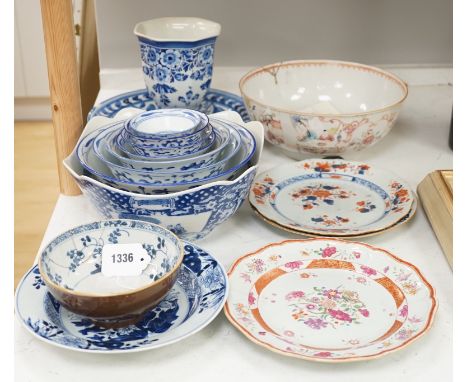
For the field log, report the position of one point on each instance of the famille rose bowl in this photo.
(192, 213)
(323, 106)
(177, 59)
(71, 267)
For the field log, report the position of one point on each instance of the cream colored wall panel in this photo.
(257, 32)
(31, 41)
(20, 87)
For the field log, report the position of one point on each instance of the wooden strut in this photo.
(57, 20)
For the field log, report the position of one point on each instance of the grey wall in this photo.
(257, 32)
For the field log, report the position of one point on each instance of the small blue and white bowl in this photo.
(191, 214)
(166, 123)
(167, 132)
(71, 266)
(177, 59)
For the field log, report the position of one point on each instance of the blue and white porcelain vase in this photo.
(177, 59)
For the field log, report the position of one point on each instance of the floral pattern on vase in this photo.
(326, 308)
(177, 76)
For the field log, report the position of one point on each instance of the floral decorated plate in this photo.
(215, 101)
(399, 223)
(329, 300)
(331, 197)
(195, 300)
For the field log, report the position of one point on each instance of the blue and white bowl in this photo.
(125, 147)
(171, 148)
(71, 266)
(165, 124)
(177, 59)
(191, 214)
(162, 182)
(223, 148)
(143, 137)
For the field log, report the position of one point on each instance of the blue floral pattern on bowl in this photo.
(190, 214)
(195, 300)
(196, 134)
(172, 149)
(73, 259)
(220, 148)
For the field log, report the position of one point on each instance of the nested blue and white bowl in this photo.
(162, 125)
(222, 147)
(166, 132)
(191, 214)
(126, 148)
(217, 158)
(154, 182)
(71, 267)
(173, 147)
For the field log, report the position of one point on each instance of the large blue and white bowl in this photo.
(192, 213)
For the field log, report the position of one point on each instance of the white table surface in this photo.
(417, 145)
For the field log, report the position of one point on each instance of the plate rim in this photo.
(142, 91)
(411, 214)
(427, 327)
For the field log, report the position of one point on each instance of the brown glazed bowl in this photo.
(70, 265)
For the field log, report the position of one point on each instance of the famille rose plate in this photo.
(331, 198)
(215, 101)
(195, 300)
(329, 300)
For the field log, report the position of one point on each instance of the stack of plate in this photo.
(166, 151)
(332, 198)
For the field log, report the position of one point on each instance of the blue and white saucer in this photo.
(196, 299)
(215, 101)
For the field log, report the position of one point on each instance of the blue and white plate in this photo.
(215, 101)
(196, 299)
